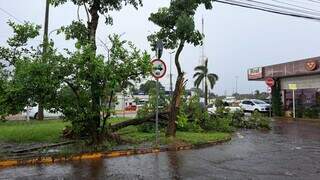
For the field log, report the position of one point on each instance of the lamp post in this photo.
(237, 84)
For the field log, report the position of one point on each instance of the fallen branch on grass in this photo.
(163, 118)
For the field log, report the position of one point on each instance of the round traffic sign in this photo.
(159, 68)
(270, 82)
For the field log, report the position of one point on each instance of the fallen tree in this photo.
(163, 119)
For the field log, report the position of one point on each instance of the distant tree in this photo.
(202, 75)
(177, 28)
(149, 85)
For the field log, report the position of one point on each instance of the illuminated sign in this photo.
(255, 73)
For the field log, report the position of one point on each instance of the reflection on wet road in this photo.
(290, 151)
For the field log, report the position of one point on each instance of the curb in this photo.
(97, 155)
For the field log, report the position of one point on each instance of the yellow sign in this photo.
(293, 86)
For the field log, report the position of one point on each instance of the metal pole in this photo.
(157, 114)
(237, 85)
(294, 104)
(270, 95)
(124, 105)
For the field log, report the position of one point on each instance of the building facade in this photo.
(302, 74)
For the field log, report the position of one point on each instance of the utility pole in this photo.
(44, 51)
(171, 72)
(237, 84)
(202, 51)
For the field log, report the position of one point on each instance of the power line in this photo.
(279, 6)
(297, 6)
(267, 9)
(9, 14)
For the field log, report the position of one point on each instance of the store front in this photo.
(304, 75)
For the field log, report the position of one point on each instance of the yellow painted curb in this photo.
(97, 155)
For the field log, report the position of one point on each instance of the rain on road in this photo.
(290, 151)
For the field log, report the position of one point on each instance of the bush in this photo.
(218, 122)
(147, 127)
(311, 113)
(255, 121)
(190, 114)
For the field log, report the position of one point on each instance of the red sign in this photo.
(159, 68)
(270, 82)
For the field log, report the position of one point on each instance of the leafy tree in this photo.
(125, 65)
(203, 74)
(28, 75)
(91, 64)
(149, 85)
(177, 28)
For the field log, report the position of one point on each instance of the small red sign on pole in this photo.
(270, 82)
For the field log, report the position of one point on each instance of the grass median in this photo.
(132, 134)
(46, 131)
(49, 131)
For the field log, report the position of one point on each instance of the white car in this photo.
(32, 112)
(212, 108)
(254, 105)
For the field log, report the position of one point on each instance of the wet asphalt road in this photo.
(290, 151)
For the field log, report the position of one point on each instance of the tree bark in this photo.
(175, 102)
(40, 115)
(163, 118)
(95, 95)
(44, 51)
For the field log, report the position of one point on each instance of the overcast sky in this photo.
(236, 38)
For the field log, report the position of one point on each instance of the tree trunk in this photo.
(44, 51)
(95, 90)
(40, 115)
(175, 102)
(205, 92)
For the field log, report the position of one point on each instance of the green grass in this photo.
(34, 131)
(47, 131)
(116, 120)
(131, 133)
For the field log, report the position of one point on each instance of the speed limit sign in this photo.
(159, 68)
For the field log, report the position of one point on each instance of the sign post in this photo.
(159, 69)
(270, 95)
(293, 87)
(270, 83)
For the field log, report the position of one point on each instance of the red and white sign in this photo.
(255, 73)
(159, 68)
(270, 82)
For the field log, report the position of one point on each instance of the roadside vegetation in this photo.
(82, 84)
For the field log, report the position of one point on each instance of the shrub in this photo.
(311, 113)
(220, 123)
(147, 127)
(256, 121)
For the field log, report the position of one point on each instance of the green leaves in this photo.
(22, 33)
(177, 23)
(203, 74)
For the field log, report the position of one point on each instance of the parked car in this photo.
(254, 105)
(33, 113)
(212, 108)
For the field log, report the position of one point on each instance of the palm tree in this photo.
(202, 74)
